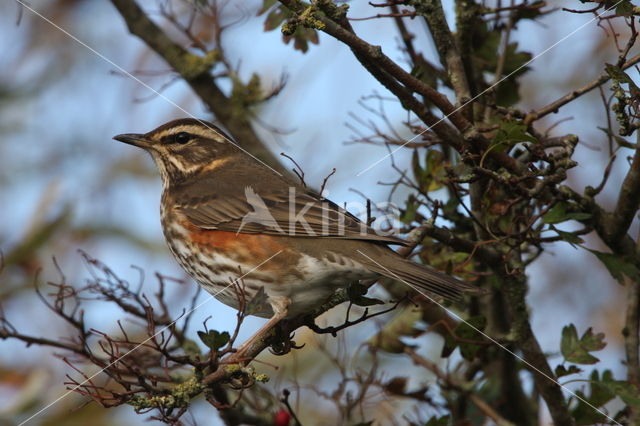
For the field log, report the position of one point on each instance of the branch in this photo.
(556, 105)
(628, 200)
(196, 71)
(601, 220)
(459, 386)
(465, 35)
(373, 54)
(230, 365)
(433, 13)
(485, 253)
(515, 289)
(526, 340)
(631, 334)
(288, 326)
(7, 333)
(408, 101)
(417, 60)
(393, 77)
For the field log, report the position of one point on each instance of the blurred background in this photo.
(65, 185)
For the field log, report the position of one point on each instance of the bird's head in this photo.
(183, 147)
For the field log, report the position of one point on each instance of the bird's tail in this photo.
(422, 277)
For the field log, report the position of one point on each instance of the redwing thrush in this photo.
(225, 214)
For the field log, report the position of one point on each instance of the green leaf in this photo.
(592, 342)
(584, 414)
(602, 390)
(356, 294)
(486, 52)
(599, 395)
(418, 71)
(266, 5)
(558, 213)
(401, 325)
(408, 215)
(618, 266)
(214, 339)
(512, 132)
(555, 214)
(418, 171)
(569, 237)
(435, 169)
(624, 8)
(486, 59)
(626, 391)
(531, 12)
(450, 208)
(619, 139)
(465, 331)
(561, 370)
(577, 350)
(301, 37)
(514, 60)
(431, 177)
(439, 421)
(507, 92)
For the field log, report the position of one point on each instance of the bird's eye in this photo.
(182, 137)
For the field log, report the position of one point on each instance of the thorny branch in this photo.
(154, 366)
(503, 177)
(528, 189)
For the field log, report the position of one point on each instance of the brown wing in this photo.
(273, 212)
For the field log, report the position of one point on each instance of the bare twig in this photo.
(556, 105)
(297, 170)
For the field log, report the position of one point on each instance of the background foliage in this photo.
(529, 188)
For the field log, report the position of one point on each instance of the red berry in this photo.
(281, 418)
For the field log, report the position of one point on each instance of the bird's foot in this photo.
(282, 342)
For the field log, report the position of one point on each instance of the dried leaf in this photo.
(561, 370)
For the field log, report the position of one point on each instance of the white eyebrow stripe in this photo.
(193, 130)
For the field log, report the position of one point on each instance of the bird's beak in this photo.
(134, 139)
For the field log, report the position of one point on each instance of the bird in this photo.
(227, 218)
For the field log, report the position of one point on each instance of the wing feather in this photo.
(270, 212)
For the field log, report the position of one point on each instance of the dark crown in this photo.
(184, 129)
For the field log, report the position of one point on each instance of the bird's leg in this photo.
(280, 307)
